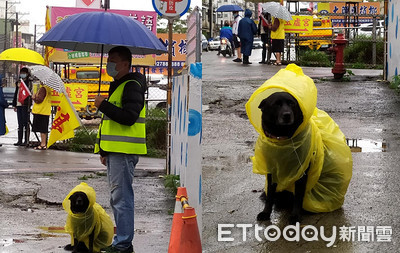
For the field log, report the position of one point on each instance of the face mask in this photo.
(111, 69)
(23, 76)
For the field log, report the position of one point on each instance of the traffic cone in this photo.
(190, 237)
(177, 222)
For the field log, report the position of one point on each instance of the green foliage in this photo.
(347, 76)
(361, 51)
(172, 182)
(156, 132)
(91, 176)
(314, 58)
(395, 83)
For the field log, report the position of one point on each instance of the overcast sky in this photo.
(37, 8)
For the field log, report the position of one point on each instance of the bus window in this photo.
(87, 75)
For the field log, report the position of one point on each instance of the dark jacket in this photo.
(28, 82)
(132, 101)
(3, 105)
(226, 32)
(262, 28)
(247, 30)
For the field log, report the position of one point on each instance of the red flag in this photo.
(23, 92)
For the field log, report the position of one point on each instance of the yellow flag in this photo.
(64, 122)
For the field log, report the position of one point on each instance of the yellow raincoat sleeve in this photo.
(80, 226)
(318, 143)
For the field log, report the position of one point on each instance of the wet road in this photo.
(365, 109)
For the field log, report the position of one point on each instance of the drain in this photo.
(366, 145)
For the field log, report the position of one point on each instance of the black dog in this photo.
(79, 205)
(281, 116)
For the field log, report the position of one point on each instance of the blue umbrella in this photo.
(229, 8)
(100, 31)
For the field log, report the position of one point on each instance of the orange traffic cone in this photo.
(177, 222)
(190, 237)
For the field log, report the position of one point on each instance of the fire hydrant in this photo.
(340, 43)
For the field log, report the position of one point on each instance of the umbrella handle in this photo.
(101, 66)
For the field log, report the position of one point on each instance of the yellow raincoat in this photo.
(80, 226)
(317, 142)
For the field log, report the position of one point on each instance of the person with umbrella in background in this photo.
(41, 111)
(3, 106)
(246, 31)
(21, 106)
(265, 34)
(278, 38)
(121, 138)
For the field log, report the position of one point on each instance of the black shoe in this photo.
(112, 249)
(237, 60)
(262, 62)
(1, 145)
(247, 62)
(18, 144)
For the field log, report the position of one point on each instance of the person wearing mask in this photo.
(22, 109)
(121, 139)
(246, 31)
(236, 42)
(265, 34)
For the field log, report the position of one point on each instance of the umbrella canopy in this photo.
(100, 31)
(229, 8)
(21, 55)
(277, 10)
(48, 77)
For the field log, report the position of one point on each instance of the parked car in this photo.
(9, 94)
(214, 43)
(257, 43)
(204, 43)
(366, 28)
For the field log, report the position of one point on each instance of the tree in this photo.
(179, 26)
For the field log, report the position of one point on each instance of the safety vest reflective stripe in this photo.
(115, 137)
(139, 120)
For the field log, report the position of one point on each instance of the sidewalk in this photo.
(33, 184)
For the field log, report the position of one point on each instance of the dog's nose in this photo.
(287, 118)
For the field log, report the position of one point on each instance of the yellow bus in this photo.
(322, 38)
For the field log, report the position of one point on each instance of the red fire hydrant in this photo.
(340, 43)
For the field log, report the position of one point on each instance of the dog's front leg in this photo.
(299, 191)
(268, 200)
(91, 240)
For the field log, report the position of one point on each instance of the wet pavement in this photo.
(33, 184)
(367, 112)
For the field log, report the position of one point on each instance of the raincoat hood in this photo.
(317, 145)
(291, 80)
(248, 13)
(81, 225)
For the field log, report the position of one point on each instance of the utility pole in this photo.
(211, 13)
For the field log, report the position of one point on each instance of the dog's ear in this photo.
(262, 104)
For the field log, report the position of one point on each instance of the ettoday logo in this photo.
(293, 233)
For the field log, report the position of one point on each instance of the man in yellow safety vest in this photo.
(121, 138)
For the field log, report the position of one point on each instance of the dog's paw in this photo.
(68, 247)
(263, 216)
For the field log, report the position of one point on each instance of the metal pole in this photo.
(210, 9)
(170, 27)
(34, 40)
(5, 39)
(16, 30)
(374, 41)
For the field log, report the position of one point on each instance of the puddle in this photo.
(365, 145)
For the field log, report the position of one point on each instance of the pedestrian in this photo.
(3, 106)
(41, 111)
(22, 108)
(265, 34)
(278, 39)
(236, 42)
(226, 32)
(246, 31)
(121, 139)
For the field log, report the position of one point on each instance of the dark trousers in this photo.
(22, 116)
(266, 42)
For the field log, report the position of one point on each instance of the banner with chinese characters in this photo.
(299, 24)
(178, 54)
(370, 8)
(77, 93)
(57, 14)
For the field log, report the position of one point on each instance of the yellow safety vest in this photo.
(43, 108)
(279, 34)
(118, 138)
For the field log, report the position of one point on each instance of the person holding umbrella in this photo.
(121, 139)
(236, 42)
(246, 31)
(22, 108)
(41, 111)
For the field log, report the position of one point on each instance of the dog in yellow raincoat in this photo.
(316, 153)
(92, 227)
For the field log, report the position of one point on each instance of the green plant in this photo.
(156, 132)
(361, 51)
(314, 58)
(347, 76)
(171, 182)
(395, 83)
(48, 174)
